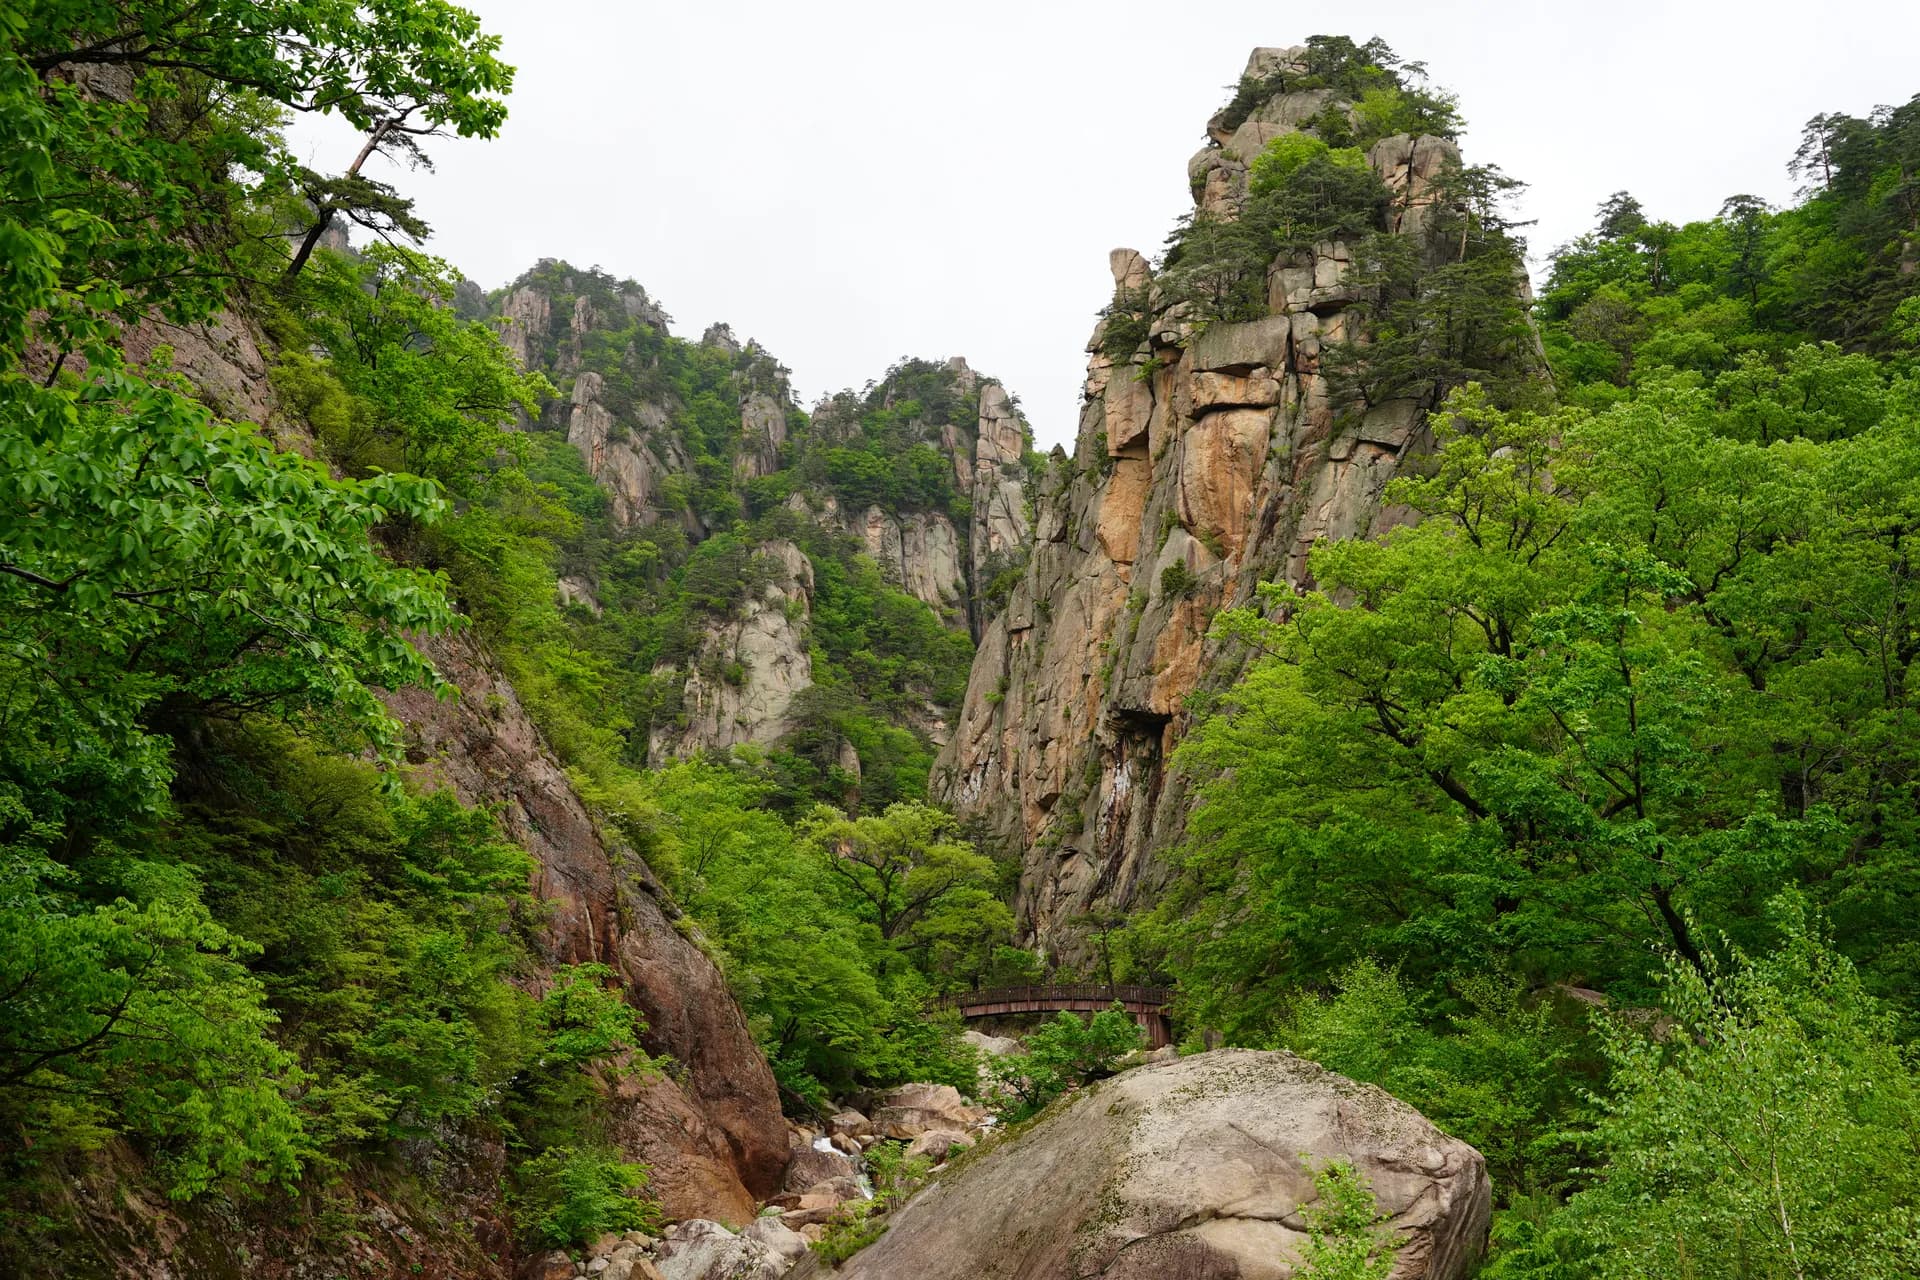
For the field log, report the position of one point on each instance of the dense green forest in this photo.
(1581, 814)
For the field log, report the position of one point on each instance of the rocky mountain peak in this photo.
(1217, 444)
(702, 451)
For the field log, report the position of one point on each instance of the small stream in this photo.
(859, 1158)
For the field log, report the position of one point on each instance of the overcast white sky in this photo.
(854, 182)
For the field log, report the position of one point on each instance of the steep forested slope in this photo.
(742, 572)
(311, 948)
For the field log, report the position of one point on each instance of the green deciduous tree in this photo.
(1764, 1126)
(430, 393)
(1062, 1054)
(145, 131)
(911, 876)
(1498, 1068)
(834, 1002)
(135, 1016)
(568, 1196)
(152, 556)
(1599, 688)
(164, 572)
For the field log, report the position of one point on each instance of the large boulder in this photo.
(816, 1163)
(778, 1237)
(992, 1046)
(1195, 1169)
(699, 1250)
(913, 1109)
(819, 1203)
(848, 1124)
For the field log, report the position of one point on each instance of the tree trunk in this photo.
(326, 212)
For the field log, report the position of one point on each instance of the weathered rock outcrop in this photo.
(1195, 1169)
(919, 551)
(652, 445)
(763, 433)
(699, 1250)
(750, 664)
(527, 316)
(1205, 464)
(630, 461)
(716, 1141)
(924, 553)
(997, 489)
(552, 319)
(913, 1109)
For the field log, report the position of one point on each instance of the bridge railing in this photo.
(1154, 997)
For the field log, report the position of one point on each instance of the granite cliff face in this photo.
(1208, 460)
(759, 658)
(946, 563)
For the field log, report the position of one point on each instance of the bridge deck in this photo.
(1146, 1004)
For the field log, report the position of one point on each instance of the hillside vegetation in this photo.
(1581, 813)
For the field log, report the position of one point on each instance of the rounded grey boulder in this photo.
(1194, 1169)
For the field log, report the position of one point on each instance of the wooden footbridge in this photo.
(1146, 1004)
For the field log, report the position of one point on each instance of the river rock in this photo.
(1194, 1169)
(778, 1237)
(811, 1165)
(700, 1250)
(938, 1144)
(554, 1264)
(819, 1202)
(848, 1124)
(913, 1109)
(633, 1267)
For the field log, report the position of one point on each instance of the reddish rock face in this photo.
(1209, 460)
(716, 1142)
